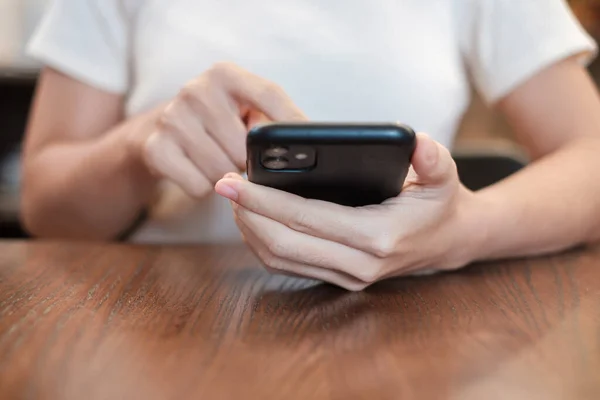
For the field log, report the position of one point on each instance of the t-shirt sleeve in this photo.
(510, 41)
(85, 39)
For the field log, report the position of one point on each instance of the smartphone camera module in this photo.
(276, 151)
(285, 159)
(276, 163)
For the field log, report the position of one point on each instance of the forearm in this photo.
(551, 205)
(88, 189)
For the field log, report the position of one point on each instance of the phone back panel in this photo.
(355, 165)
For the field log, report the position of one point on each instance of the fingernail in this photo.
(226, 190)
(233, 175)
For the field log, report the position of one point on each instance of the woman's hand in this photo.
(429, 225)
(201, 134)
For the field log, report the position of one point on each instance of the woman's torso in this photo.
(339, 60)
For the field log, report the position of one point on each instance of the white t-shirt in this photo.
(412, 61)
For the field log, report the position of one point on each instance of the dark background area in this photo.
(16, 92)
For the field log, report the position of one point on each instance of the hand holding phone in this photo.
(355, 246)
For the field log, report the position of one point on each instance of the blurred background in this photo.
(18, 75)
(481, 123)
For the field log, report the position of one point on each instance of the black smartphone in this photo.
(348, 164)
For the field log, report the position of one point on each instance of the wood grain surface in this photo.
(91, 321)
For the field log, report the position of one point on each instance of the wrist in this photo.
(470, 230)
(130, 138)
(487, 219)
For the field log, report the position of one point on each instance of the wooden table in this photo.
(125, 322)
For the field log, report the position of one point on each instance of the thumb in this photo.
(432, 162)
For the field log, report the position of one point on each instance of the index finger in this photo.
(259, 93)
(354, 227)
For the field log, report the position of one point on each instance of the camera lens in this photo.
(276, 151)
(276, 163)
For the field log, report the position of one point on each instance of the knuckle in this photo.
(202, 98)
(265, 257)
(153, 148)
(169, 119)
(222, 69)
(383, 245)
(164, 121)
(277, 248)
(302, 222)
(188, 92)
(270, 261)
(270, 93)
(370, 275)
